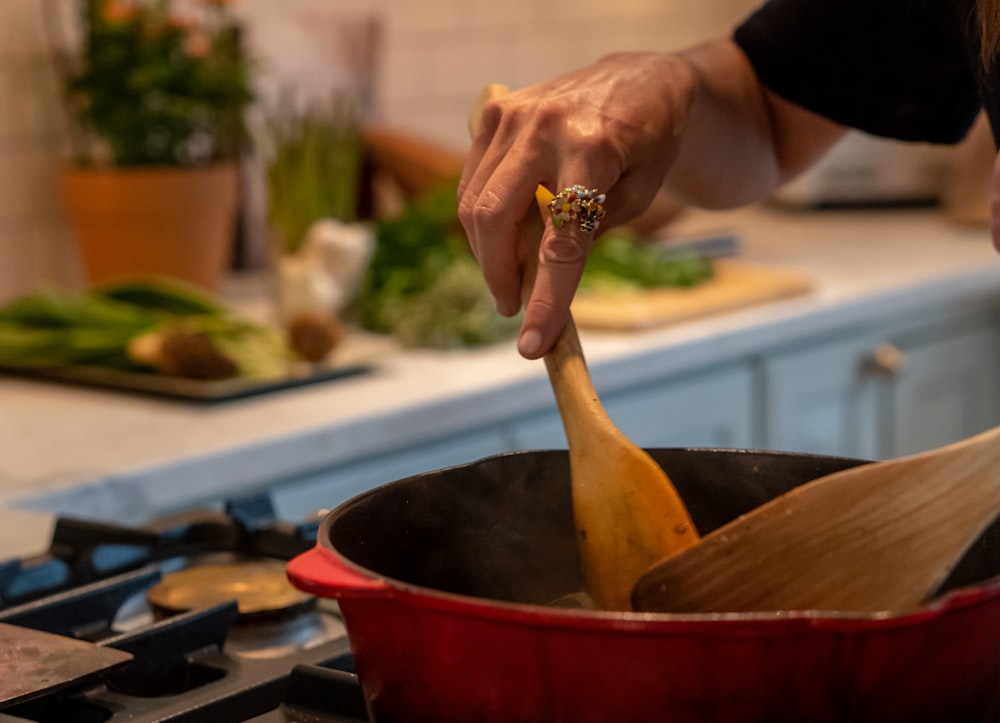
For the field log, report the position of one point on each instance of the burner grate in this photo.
(208, 665)
(323, 694)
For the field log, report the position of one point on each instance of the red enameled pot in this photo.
(446, 582)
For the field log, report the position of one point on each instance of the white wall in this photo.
(435, 55)
(34, 242)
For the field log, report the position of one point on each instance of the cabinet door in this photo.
(944, 389)
(821, 398)
(713, 409)
(880, 396)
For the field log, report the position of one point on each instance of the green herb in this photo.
(455, 311)
(56, 309)
(424, 287)
(165, 296)
(55, 327)
(618, 263)
(412, 251)
(314, 170)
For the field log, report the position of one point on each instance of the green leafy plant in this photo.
(150, 86)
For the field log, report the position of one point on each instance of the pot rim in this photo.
(377, 585)
(388, 588)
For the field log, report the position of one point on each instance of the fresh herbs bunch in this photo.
(423, 285)
(315, 167)
(425, 288)
(619, 262)
(153, 86)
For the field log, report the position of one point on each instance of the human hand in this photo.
(613, 126)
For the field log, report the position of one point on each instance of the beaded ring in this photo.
(580, 204)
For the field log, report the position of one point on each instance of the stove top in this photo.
(233, 649)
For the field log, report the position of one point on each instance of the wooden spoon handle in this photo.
(627, 513)
(565, 362)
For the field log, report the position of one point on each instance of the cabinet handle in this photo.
(888, 360)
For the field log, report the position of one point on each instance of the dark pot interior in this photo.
(502, 528)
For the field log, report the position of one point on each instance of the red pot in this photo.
(443, 580)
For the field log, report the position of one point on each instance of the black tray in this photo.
(187, 389)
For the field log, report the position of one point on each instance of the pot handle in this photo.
(322, 572)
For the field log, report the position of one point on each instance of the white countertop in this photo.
(60, 442)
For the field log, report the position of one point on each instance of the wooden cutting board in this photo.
(735, 285)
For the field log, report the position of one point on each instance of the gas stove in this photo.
(188, 618)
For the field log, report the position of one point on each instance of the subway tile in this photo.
(443, 121)
(538, 57)
(15, 261)
(464, 67)
(55, 256)
(409, 17)
(17, 103)
(405, 73)
(27, 182)
(34, 251)
(32, 103)
(10, 123)
(487, 14)
(22, 27)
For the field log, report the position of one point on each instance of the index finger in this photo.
(573, 217)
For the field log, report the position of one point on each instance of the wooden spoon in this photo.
(879, 537)
(628, 514)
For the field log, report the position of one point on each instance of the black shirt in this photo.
(905, 69)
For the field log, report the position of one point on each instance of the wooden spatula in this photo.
(628, 514)
(879, 537)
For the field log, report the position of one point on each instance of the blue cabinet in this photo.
(712, 408)
(819, 397)
(884, 393)
(887, 389)
(945, 388)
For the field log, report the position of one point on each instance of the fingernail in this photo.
(505, 309)
(530, 342)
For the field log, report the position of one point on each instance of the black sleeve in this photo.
(903, 69)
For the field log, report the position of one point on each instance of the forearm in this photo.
(740, 142)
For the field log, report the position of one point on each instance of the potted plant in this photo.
(156, 101)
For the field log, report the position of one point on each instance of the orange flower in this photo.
(117, 11)
(181, 22)
(197, 43)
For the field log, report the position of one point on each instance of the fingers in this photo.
(496, 191)
(584, 128)
(495, 201)
(572, 220)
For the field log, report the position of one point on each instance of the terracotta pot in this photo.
(176, 222)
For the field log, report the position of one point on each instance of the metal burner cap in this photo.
(260, 588)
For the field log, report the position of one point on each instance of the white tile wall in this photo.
(434, 57)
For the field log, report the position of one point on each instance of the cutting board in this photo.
(735, 285)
